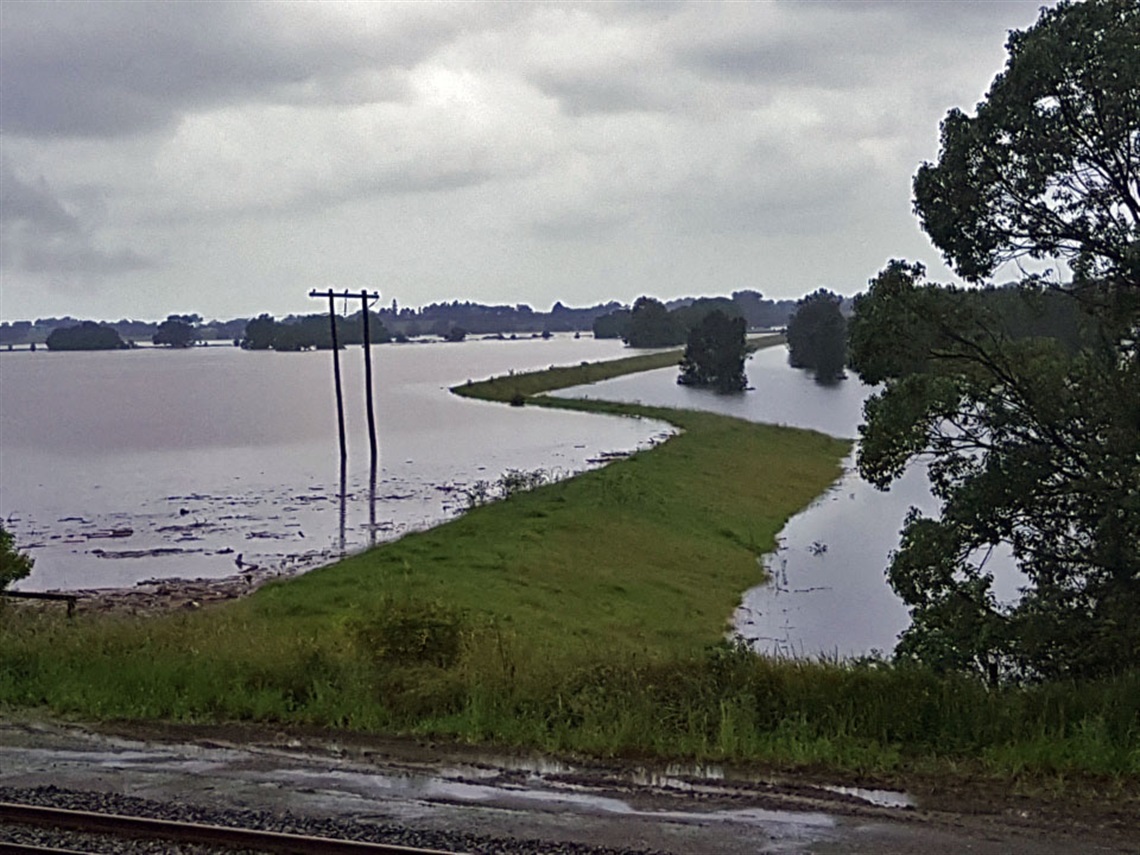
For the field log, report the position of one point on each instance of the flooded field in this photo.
(828, 594)
(118, 467)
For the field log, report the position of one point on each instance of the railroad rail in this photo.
(118, 825)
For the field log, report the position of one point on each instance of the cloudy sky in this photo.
(224, 158)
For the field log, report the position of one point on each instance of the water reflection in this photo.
(777, 395)
(372, 504)
(341, 542)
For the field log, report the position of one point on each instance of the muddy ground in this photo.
(161, 595)
(453, 787)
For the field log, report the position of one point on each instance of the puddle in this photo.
(879, 798)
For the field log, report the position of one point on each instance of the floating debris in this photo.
(143, 553)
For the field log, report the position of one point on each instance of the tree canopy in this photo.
(176, 331)
(1046, 169)
(85, 336)
(310, 332)
(651, 324)
(1027, 405)
(714, 354)
(14, 565)
(817, 336)
(612, 325)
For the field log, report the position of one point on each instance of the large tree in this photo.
(1033, 438)
(714, 354)
(260, 333)
(651, 324)
(176, 331)
(817, 336)
(87, 335)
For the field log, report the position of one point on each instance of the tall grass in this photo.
(414, 666)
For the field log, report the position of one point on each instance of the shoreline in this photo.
(158, 596)
(175, 593)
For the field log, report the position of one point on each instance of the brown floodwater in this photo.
(119, 467)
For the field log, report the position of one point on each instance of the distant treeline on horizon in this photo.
(444, 320)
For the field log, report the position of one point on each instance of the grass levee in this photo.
(587, 615)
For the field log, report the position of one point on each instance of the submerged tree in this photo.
(714, 355)
(817, 336)
(1034, 440)
(175, 331)
(260, 333)
(87, 335)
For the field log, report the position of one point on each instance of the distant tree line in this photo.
(440, 319)
(311, 332)
(818, 338)
(87, 335)
(651, 323)
(453, 320)
(37, 332)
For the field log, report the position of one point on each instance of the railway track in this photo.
(162, 830)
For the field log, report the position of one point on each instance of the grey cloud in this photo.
(590, 225)
(818, 49)
(32, 204)
(395, 183)
(65, 258)
(108, 69)
(583, 94)
(767, 63)
(843, 45)
(39, 235)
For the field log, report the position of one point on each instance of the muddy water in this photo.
(828, 594)
(125, 466)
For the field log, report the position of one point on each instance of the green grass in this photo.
(527, 384)
(649, 553)
(586, 616)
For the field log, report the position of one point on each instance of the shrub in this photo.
(14, 565)
(411, 632)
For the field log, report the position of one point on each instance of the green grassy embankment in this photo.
(586, 616)
(525, 385)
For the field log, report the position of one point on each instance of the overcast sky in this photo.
(224, 158)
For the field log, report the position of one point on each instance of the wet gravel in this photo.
(289, 823)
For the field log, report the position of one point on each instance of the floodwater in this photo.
(124, 466)
(827, 595)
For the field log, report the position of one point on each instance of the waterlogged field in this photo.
(589, 616)
(119, 467)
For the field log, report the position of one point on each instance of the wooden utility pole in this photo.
(336, 378)
(364, 297)
(368, 379)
